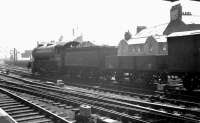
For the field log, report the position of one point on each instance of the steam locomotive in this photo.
(97, 62)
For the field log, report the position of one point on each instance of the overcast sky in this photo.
(24, 22)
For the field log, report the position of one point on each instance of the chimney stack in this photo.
(140, 28)
(176, 13)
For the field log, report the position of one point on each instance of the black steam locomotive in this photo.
(183, 61)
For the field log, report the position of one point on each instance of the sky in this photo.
(24, 22)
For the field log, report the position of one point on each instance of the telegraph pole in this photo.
(13, 55)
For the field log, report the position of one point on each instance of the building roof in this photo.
(161, 38)
(156, 32)
(142, 40)
(193, 32)
(152, 31)
(137, 40)
(188, 22)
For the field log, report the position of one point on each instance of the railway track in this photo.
(184, 109)
(180, 95)
(24, 111)
(129, 107)
(75, 101)
(152, 98)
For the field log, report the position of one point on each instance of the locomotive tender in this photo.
(183, 60)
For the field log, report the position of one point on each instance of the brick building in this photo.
(151, 45)
(152, 41)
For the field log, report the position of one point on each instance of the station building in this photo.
(152, 41)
